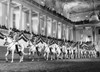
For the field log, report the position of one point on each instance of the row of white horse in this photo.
(53, 51)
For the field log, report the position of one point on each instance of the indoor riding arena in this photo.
(49, 36)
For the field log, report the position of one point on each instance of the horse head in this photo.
(7, 40)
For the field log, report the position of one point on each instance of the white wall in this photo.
(1, 42)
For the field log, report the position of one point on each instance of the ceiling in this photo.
(75, 10)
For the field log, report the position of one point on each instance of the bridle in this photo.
(7, 43)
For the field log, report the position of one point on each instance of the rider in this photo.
(10, 33)
(16, 36)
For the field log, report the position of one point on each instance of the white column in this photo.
(45, 22)
(17, 25)
(94, 34)
(11, 18)
(74, 34)
(59, 30)
(8, 13)
(23, 27)
(30, 20)
(1, 14)
(46, 26)
(67, 33)
(39, 32)
(20, 16)
(49, 26)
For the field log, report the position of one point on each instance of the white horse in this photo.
(11, 47)
(64, 51)
(58, 51)
(52, 51)
(32, 49)
(40, 46)
(46, 50)
(55, 50)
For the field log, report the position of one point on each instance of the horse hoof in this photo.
(11, 61)
(20, 61)
(32, 60)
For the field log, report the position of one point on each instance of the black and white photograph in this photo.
(49, 35)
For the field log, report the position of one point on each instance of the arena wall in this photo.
(1, 42)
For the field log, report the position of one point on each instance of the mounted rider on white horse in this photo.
(46, 49)
(55, 50)
(32, 48)
(39, 48)
(11, 47)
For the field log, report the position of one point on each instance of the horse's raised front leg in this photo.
(6, 56)
(12, 57)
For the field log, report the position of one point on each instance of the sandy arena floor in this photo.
(76, 65)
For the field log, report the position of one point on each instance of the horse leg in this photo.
(57, 55)
(6, 56)
(47, 56)
(12, 56)
(51, 56)
(21, 58)
(44, 55)
(33, 56)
